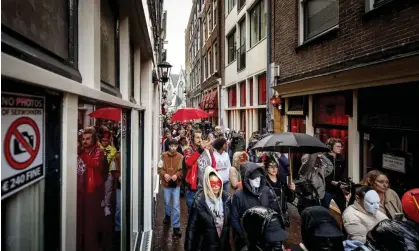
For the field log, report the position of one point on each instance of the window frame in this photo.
(230, 5)
(209, 56)
(214, 14)
(205, 66)
(260, 28)
(231, 34)
(19, 46)
(210, 21)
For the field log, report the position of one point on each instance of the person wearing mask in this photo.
(320, 231)
(209, 216)
(170, 171)
(390, 203)
(282, 192)
(222, 161)
(254, 193)
(262, 229)
(311, 184)
(363, 215)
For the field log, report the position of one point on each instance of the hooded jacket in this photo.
(246, 198)
(201, 231)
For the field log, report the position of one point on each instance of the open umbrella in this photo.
(108, 113)
(291, 142)
(185, 114)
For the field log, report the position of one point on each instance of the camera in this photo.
(18, 148)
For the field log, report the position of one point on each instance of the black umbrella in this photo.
(291, 142)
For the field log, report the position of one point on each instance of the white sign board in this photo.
(394, 163)
(22, 134)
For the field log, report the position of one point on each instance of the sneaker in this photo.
(177, 232)
(166, 219)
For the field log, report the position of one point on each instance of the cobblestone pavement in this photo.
(163, 239)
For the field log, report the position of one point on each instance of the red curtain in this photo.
(232, 96)
(251, 91)
(262, 89)
(243, 94)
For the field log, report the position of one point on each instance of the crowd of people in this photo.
(99, 187)
(237, 198)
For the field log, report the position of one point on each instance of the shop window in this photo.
(101, 147)
(331, 110)
(232, 96)
(243, 94)
(109, 50)
(262, 89)
(251, 91)
(262, 119)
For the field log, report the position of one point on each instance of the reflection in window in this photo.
(45, 22)
(108, 44)
(98, 183)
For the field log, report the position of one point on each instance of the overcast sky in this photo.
(177, 19)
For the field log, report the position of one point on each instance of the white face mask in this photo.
(371, 202)
(255, 183)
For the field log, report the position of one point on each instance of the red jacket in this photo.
(191, 156)
(94, 167)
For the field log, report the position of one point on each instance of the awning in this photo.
(394, 71)
(212, 101)
(213, 112)
(202, 104)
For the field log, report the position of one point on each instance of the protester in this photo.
(390, 203)
(262, 229)
(191, 155)
(222, 161)
(363, 215)
(239, 158)
(170, 171)
(209, 216)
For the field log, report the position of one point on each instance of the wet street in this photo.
(163, 239)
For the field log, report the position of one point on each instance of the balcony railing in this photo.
(241, 57)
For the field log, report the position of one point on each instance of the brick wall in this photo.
(360, 38)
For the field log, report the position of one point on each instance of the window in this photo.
(209, 63)
(205, 67)
(214, 11)
(199, 36)
(330, 110)
(262, 89)
(131, 70)
(243, 94)
(109, 44)
(257, 23)
(231, 4)
(319, 16)
(204, 23)
(214, 49)
(209, 20)
(232, 96)
(231, 43)
(251, 91)
(241, 64)
(240, 4)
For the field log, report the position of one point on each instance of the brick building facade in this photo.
(348, 70)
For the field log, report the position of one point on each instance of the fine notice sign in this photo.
(22, 133)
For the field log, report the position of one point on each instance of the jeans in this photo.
(118, 211)
(226, 186)
(174, 212)
(190, 195)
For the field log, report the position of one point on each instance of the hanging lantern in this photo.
(275, 101)
(165, 71)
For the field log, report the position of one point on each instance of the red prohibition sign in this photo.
(13, 131)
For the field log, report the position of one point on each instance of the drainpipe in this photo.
(269, 108)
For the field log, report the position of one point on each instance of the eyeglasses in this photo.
(272, 165)
(215, 184)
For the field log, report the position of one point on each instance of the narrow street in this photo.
(163, 239)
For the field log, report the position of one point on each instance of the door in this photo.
(296, 124)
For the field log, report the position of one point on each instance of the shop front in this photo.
(389, 133)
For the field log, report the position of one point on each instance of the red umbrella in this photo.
(108, 113)
(189, 114)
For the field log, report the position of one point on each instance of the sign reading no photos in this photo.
(22, 133)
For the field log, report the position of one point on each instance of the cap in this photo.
(256, 173)
(274, 232)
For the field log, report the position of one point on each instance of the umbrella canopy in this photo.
(291, 142)
(189, 114)
(108, 113)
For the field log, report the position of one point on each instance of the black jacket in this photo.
(245, 198)
(339, 168)
(201, 233)
(282, 192)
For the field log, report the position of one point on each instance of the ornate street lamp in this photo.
(275, 101)
(165, 71)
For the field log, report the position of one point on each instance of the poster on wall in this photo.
(22, 134)
(394, 163)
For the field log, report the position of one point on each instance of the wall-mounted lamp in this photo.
(165, 71)
(277, 102)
